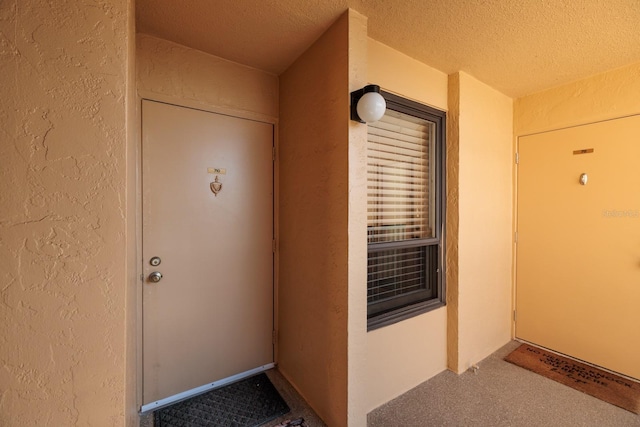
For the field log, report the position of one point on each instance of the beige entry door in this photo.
(208, 231)
(578, 250)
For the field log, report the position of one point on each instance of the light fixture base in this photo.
(355, 98)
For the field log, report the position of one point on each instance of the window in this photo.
(405, 212)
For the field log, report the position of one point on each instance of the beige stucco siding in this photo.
(64, 74)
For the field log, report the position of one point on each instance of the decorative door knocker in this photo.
(583, 179)
(216, 186)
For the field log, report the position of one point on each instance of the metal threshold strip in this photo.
(203, 388)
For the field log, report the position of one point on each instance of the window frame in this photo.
(438, 117)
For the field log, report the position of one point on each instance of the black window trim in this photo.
(406, 106)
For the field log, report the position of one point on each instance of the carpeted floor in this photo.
(499, 394)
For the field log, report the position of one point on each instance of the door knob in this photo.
(155, 277)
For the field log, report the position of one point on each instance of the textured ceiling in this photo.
(518, 47)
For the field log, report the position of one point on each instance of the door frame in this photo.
(135, 272)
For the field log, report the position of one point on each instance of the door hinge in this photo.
(515, 237)
(273, 245)
(515, 315)
(517, 158)
(273, 154)
(273, 337)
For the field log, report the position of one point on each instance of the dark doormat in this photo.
(247, 403)
(601, 384)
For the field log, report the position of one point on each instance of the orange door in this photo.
(208, 221)
(578, 250)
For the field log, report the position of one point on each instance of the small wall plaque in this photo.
(217, 171)
(585, 151)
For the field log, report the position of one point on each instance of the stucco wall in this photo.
(314, 203)
(170, 72)
(613, 94)
(357, 356)
(400, 74)
(480, 303)
(63, 92)
(405, 354)
(452, 226)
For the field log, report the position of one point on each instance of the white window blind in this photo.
(399, 152)
(395, 272)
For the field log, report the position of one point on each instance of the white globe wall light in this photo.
(367, 105)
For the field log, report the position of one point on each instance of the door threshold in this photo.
(202, 389)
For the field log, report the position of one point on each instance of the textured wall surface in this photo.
(314, 198)
(402, 355)
(357, 389)
(485, 233)
(63, 79)
(183, 75)
(517, 47)
(453, 219)
(398, 73)
(613, 94)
